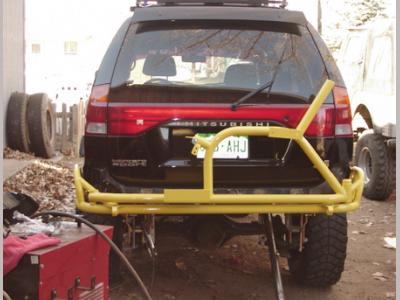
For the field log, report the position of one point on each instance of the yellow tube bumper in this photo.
(346, 196)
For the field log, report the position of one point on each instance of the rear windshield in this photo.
(216, 62)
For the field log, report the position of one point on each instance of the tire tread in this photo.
(322, 261)
(381, 182)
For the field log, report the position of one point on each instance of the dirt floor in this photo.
(240, 270)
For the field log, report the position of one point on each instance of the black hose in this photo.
(106, 238)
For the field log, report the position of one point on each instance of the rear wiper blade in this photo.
(277, 69)
(268, 85)
(235, 105)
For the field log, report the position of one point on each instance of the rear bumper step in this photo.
(346, 196)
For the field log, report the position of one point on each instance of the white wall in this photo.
(91, 23)
(12, 51)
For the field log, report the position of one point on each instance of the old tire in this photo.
(41, 122)
(16, 122)
(373, 157)
(321, 262)
(392, 166)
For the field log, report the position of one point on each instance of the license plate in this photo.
(233, 147)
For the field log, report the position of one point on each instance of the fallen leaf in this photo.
(286, 268)
(180, 264)
(50, 184)
(390, 294)
(379, 276)
(390, 242)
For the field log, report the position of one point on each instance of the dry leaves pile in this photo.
(50, 184)
(15, 154)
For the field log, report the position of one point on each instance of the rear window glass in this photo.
(199, 62)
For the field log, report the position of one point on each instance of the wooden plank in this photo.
(75, 129)
(81, 129)
(64, 124)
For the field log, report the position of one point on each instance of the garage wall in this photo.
(12, 52)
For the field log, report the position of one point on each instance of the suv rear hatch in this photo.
(175, 79)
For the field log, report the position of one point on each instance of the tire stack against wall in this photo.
(30, 124)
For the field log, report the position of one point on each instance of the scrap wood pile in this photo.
(50, 184)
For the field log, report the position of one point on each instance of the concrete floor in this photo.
(13, 166)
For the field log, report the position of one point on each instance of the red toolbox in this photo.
(77, 268)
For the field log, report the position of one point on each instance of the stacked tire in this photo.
(30, 124)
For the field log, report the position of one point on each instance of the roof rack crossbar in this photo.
(266, 3)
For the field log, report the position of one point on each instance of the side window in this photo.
(310, 61)
(379, 73)
(327, 57)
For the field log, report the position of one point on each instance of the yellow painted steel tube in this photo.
(223, 198)
(320, 165)
(315, 106)
(214, 209)
(346, 196)
(116, 208)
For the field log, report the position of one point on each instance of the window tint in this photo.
(219, 56)
(329, 61)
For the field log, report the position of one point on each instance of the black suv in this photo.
(180, 69)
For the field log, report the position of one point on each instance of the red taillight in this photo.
(133, 120)
(96, 113)
(343, 116)
(322, 124)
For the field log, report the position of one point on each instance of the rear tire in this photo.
(373, 157)
(16, 122)
(41, 121)
(321, 262)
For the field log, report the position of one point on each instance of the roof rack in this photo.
(244, 3)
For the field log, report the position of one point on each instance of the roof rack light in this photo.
(245, 3)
